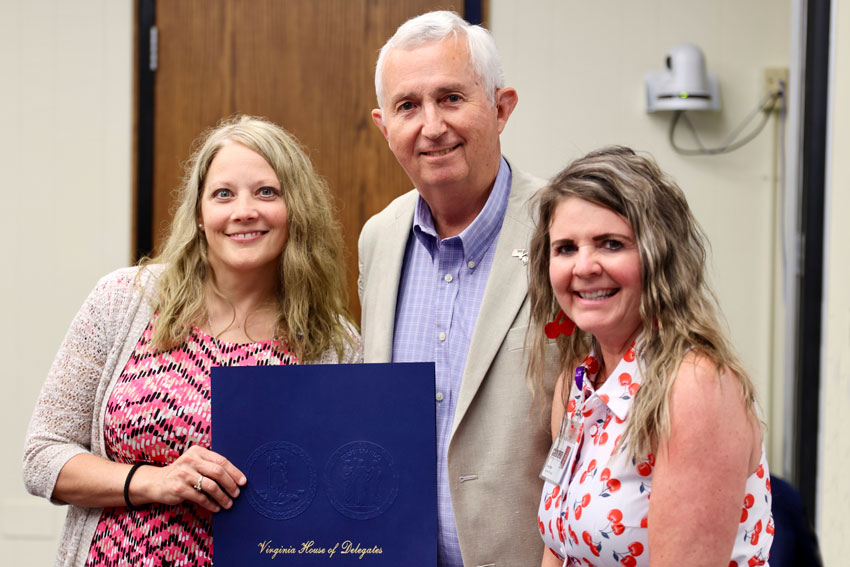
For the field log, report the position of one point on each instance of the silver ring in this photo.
(197, 485)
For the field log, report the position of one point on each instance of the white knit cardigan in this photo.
(68, 417)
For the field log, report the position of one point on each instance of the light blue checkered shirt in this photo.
(442, 284)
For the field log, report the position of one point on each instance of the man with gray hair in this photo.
(443, 278)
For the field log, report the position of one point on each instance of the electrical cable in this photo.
(766, 107)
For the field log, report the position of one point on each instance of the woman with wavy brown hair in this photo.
(652, 399)
(250, 274)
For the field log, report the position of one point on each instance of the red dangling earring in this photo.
(560, 327)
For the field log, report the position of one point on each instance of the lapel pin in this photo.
(522, 254)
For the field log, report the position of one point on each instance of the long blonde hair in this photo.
(678, 309)
(312, 303)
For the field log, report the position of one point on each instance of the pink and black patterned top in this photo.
(159, 408)
(598, 515)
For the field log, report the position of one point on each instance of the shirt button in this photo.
(439, 396)
(448, 278)
(471, 264)
(442, 336)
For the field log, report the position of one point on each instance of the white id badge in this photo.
(559, 455)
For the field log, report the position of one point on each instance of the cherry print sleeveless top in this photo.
(160, 406)
(598, 515)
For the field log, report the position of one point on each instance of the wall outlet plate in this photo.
(776, 82)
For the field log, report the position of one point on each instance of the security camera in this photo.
(684, 84)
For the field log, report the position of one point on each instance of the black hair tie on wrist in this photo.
(130, 474)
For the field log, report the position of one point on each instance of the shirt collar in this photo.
(621, 386)
(477, 237)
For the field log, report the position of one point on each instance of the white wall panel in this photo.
(65, 158)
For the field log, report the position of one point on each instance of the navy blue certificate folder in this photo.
(340, 461)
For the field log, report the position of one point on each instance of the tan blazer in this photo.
(499, 442)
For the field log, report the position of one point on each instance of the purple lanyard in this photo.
(580, 372)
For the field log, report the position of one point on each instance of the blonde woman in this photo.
(251, 274)
(652, 399)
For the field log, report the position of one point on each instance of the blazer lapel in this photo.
(506, 290)
(383, 285)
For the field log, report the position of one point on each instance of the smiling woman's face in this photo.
(243, 213)
(594, 268)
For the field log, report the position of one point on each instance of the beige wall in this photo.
(834, 492)
(579, 69)
(65, 158)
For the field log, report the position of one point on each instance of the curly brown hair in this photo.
(678, 309)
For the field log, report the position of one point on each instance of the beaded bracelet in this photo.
(130, 474)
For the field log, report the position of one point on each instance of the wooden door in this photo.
(307, 65)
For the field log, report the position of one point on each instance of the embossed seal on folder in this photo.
(361, 481)
(283, 480)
